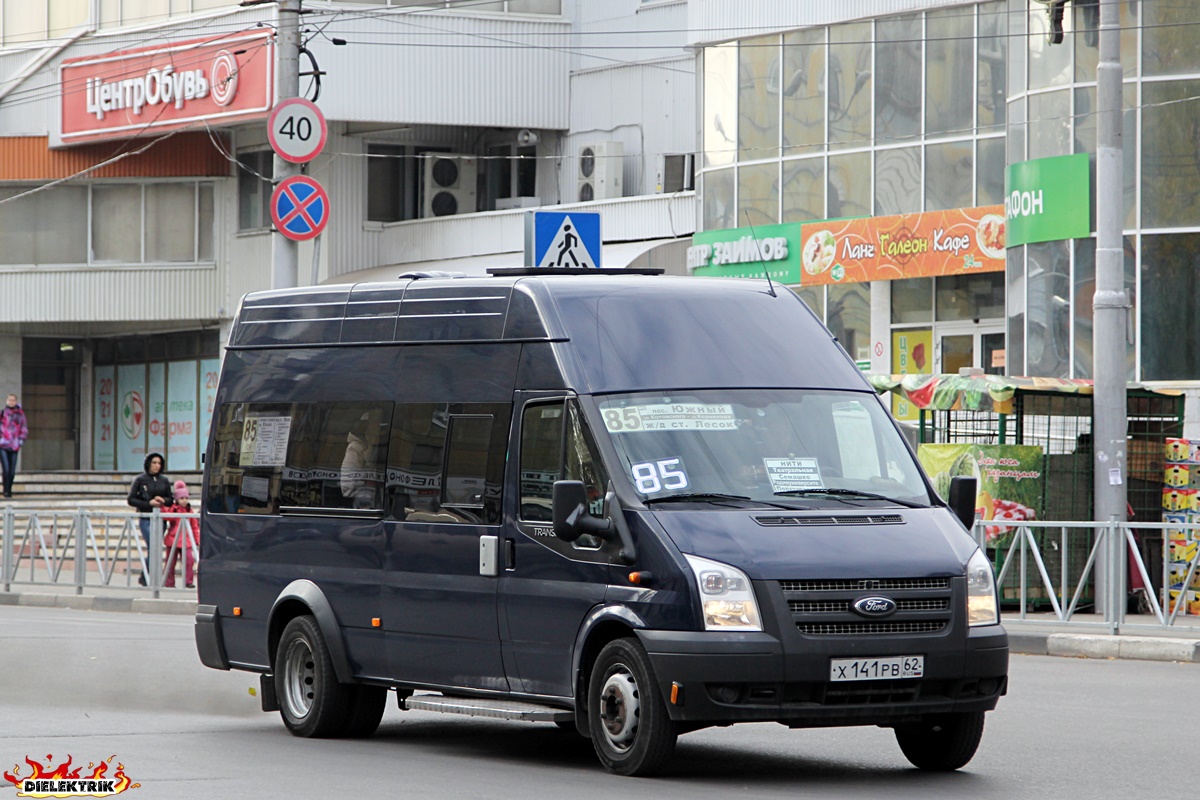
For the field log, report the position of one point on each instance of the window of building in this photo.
(1169, 38)
(758, 98)
(850, 185)
(898, 57)
(973, 297)
(804, 190)
(991, 66)
(123, 223)
(949, 175)
(803, 89)
(1048, 342)
(912, 300)
(948, 75)
(43, 227)
(758, 194)
(1170, 168)
(1170, 262)
(849, 318)
(391, 192)
(720, 104)
(717, 198)
(255, 173)
(849, 85)
(898, 181)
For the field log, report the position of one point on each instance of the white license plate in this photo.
(876, 669)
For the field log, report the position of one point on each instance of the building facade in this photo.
(132, 220)
(909, 108)
(136, 177)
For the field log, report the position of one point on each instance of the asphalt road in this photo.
(94, 684)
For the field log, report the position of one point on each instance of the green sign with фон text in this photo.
(1048, 199)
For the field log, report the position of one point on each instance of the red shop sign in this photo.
(221, 79)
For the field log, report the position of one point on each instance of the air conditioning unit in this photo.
(676, 173)
(600, 167)
(449, 184)
(507, 203)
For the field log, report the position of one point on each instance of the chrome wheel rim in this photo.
(620, 709)
(299, 677)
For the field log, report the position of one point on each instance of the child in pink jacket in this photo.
(177, 540)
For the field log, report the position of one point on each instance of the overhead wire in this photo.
(404, 15)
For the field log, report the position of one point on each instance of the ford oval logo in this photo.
(875, 606)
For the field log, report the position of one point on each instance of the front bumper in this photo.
(752, 677)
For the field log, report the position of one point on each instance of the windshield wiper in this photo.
(701, 497)
(717, 497)
(850, 493)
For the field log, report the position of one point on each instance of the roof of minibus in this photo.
(625, 332)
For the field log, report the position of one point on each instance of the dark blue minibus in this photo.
(629, 504)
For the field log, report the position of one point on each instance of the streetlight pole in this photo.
(1110, 314)
(285, 253)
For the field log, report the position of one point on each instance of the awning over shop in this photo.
(979, 392)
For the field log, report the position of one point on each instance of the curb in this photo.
(141, 605)
(1020, 642)
(1143, 648)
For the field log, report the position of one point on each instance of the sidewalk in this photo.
(1085, 637)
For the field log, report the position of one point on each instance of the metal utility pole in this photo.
(285, 253)
(1110, 313)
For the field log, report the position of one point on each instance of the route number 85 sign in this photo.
(654, 476)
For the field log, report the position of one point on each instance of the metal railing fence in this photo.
(1056, 564)
(1052, 565)
(91, 548)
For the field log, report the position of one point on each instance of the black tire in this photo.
(631, 731)
(311, 701)
(941, 742)
(366, 710)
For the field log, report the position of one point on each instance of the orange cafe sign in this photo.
(218, 79)
(925, 245)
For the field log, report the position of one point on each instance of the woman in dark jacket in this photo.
(150, 490)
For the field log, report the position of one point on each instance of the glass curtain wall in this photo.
(1052, 104)
(899, 114)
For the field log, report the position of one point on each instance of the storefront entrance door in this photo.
(964, 346)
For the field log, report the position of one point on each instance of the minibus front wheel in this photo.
(311, 701)
(630, 727)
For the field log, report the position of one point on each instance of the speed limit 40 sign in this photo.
(297, 130)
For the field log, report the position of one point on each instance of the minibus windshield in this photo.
(826, 448)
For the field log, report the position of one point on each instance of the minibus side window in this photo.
(336, 455)
(247, 461)
(446, 462)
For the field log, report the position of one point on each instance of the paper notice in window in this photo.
(264, 441)
(791, 474)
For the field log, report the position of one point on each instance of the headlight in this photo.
(726, 596)
(982, 608)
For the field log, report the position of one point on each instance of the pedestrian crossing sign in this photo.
(566, 239)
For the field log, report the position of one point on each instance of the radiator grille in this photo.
(863, 628)
(836, 606)
(865, 585)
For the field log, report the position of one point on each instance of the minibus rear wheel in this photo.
(630, 727)
(311, 701)
(941, 742)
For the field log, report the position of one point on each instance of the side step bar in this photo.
(486, 707)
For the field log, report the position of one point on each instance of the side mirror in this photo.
(570, 512)
(963, 491)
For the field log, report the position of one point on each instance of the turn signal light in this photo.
(237, 611)
(375, 622)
